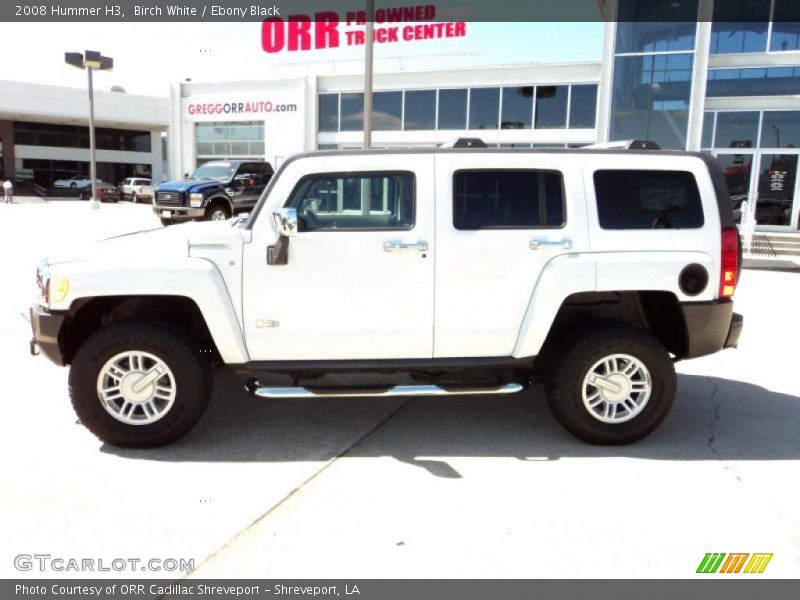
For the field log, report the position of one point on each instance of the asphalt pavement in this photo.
(447, 487)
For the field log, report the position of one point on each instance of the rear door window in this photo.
(508, 199)
(639, 199)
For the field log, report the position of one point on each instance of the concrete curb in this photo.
(786, 265)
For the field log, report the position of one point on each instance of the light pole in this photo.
(90, 61)
(368, 75)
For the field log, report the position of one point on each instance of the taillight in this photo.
(730, 262)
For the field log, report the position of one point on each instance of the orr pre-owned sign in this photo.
(327, 29)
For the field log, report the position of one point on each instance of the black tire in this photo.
(565, 381)
(166, 222)
(73, 185)
(192, 377)
(214, 209)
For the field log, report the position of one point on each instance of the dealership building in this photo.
(719, 76)
(44, 134)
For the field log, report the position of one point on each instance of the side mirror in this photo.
(285, 221)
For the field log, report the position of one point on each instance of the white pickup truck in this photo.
(411, 272)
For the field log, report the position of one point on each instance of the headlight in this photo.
(59, 290)
(196, 200)
(43, 282)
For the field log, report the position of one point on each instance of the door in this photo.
(777, 182)
(496, 229)
(247, 185)
(358, 283)
(738, 170)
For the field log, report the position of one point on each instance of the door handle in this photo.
(539, 244)
(405, 246)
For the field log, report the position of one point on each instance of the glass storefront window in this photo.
(387, 111)
(234, 139)
(484, 108)
(76, 136)
(781, 129)
(772, 81)
(551, 106)
(517, 108)
(583, 106)
(776, 186)
(708, 130)
(656, 25)
(650, 99)
(740, 26)
(785, 26)
(737, 169)
(420, 110)
(352, 106)
(328, 112)
(453, 109)
(736, 130)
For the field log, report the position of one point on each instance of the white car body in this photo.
(433, 309)
(422, 272)
(136, 187)
(73, 182)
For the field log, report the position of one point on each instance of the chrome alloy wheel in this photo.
(218, 215)
(137, 388)
(616, 388)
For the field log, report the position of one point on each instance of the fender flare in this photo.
(194, 278)
(562, 276)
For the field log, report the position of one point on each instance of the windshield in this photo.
(219, 171)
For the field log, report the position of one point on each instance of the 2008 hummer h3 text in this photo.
(430, 272)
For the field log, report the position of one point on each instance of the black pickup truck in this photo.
(214, 192)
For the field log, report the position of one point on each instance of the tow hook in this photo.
(33, 348)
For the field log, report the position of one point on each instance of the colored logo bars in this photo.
(713, 562)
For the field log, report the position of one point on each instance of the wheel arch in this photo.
(219, 199)
(657, 312)
(87, 315)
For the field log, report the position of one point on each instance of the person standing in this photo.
(8, 190)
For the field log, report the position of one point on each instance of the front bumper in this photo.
(46, 327)
(178, 213)
(710, 327)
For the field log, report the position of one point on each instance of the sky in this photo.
(150, 56)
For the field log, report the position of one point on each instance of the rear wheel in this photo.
(139, 385)
(612, 385)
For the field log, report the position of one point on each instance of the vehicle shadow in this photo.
(711, 419)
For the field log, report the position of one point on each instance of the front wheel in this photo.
(216, 212)
(138, 385)
(133, 197)
(612, 385)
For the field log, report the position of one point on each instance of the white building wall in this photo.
(288, 133)
(55, 104)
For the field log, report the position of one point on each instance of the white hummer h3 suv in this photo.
(411, 272)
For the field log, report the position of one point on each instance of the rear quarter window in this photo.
(647, 199)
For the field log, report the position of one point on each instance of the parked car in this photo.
(214, 192)
(411, 273)
(105, 192)
(137, 188)
(79, 181)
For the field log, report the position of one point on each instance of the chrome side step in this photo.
(397, 390)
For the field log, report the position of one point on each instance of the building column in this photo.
(7, 140)
(605, 88)
(697, 100)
